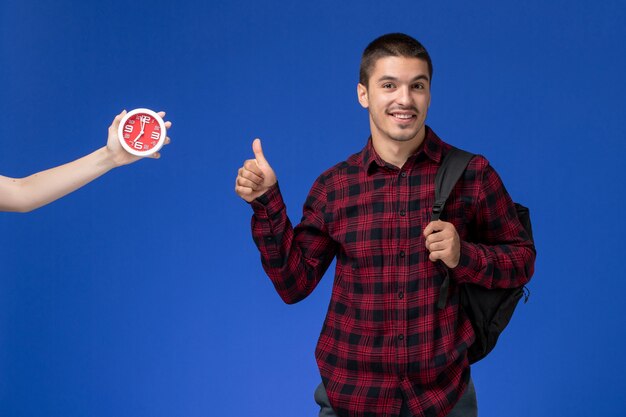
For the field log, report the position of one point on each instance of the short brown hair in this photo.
(392, 44)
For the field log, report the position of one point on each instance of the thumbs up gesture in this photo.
(256, 175)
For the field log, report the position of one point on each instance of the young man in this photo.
(385, 348)
(34, 191)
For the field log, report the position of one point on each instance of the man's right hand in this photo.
(256, 175)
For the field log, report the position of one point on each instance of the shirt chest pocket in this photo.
(459, 211)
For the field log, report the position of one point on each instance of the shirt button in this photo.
(402, 254)
(401, 337)
(403, 174)
(402, 213)
(401, 295)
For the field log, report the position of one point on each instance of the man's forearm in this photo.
(495, 266)
(294, 259)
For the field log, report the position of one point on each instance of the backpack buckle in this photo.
(437, 209)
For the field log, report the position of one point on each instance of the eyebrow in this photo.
(391, 78)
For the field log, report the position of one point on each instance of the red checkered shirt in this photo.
(384, 337)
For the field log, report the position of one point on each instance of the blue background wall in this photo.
(143, 295)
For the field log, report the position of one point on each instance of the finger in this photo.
(437, 246)
(243, 192)
(434, 227)
(258, 152)
(434, 256)
(117, 119)
(167, 140)
(440, 254)
(433, 245)
(244, 182)
(434, 236)
(168, 124)
(155, 155)
(430, 228)
(251, 176)
(252, 166)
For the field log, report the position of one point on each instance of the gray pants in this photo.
(466, 407)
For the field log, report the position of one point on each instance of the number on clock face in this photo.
(142, 132)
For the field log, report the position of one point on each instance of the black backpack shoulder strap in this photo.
(448, 174)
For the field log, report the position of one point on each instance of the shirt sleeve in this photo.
(295, 259)
(502, 254)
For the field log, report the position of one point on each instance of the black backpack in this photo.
(489, 310)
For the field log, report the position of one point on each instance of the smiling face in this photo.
(397, 98)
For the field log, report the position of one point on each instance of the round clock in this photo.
(142, 132)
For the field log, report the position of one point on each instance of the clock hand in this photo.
(143, 123)
(138, 136)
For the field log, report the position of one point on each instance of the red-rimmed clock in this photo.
(142, 132)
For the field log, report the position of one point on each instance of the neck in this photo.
(397, 152)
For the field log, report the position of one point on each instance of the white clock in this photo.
(142, 132)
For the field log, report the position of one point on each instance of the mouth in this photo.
(403, 117)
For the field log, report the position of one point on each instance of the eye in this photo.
(418, 86)
(388, 85)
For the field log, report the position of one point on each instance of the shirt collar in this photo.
(432, 147)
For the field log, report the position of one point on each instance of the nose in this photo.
(404, 96)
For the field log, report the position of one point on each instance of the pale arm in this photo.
(29, 193)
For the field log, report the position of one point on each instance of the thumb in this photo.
(116, 121)
(433, 227)
(258, 153)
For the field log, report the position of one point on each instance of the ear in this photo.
(361, 92)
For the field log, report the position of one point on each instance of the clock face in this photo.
(142, 132)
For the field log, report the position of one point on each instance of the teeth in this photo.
(403, 116)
